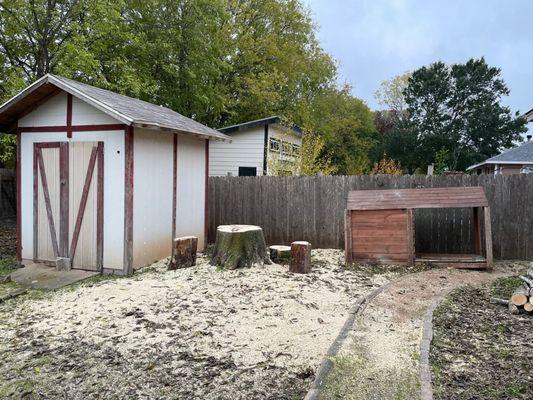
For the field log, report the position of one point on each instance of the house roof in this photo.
(274, 120)
(390, 199)
(529, 115)
(126, 109)
(522, 154)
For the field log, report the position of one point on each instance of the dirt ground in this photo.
(256, 333)
(481, 351)
(380, 358)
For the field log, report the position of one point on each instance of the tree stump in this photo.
(184, 252)
(280, 254)
(239, 246)
(300, 257)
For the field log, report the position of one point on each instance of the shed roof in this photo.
(522, 154)
(390, 199)
(126, 109)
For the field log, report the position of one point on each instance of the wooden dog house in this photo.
(379, 225)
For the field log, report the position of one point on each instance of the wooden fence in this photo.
(312, 208)
(8, 190)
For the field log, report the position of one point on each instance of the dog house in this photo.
(380, 228)
(104, 181)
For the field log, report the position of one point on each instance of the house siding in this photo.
(246, 150)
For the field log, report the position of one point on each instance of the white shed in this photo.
(104, 181)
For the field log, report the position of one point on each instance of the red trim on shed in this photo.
(75, 128)
(206, 212)
(128, 200)
(69, 115)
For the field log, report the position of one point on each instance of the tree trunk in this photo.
(280, 254)
(528, 307)
(300, 257)
(184, 252)
(239, 246)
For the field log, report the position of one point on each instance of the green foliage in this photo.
(217, 61)
(441, 161)
(458, 108)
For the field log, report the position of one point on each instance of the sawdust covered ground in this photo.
(481, 351)
(194, 333)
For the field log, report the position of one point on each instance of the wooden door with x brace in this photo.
(68, 201)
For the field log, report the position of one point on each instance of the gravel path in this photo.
(380, 358)
(193, 333)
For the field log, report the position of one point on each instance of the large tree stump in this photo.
(280, 254)
(183, 252)
(300, 257)
(239, 246)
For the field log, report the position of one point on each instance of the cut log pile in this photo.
(522, 298)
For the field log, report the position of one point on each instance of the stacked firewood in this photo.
(522, 298)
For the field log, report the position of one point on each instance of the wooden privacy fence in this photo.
(312, 209)
(8, 189)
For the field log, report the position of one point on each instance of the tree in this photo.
(387, 166)
(459, 108)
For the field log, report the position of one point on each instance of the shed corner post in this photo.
(488, 237)
(206, 195)
(348, 236)
(128, 200)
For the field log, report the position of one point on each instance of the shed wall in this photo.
(191, 178)
(113, 190)
(380, 236)
(152, 196)
(51, 113)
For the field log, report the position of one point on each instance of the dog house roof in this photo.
(449, 197)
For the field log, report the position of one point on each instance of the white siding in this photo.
(191, 188)
(152, 202)
(85, 114)
(113, 189)
(51, 113)
(246, 150)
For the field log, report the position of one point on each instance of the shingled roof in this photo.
(126, 109)
(522, 154)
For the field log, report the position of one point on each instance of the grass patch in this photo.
(355, 378)
(479, 350)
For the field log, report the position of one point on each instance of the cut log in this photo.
(520, 296)
(502, 302)
(300, 257)
(184, 252)
(280, 254)
(513, 309)
(528, 307)
(239, 246)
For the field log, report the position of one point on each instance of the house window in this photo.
(274, 145)
(247, 171)
(286, 149)
(295, 150)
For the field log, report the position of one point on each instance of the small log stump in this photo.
(300, 257)
(184, 252)
(280, 254)
(239, 246)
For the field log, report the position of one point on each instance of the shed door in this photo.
(49, 214)
(68, 203)
(86, 205)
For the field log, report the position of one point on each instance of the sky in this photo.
(375, 40)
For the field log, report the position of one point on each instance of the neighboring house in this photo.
(515, 161)
(518, 160)
(104, 181)
(261, 147)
